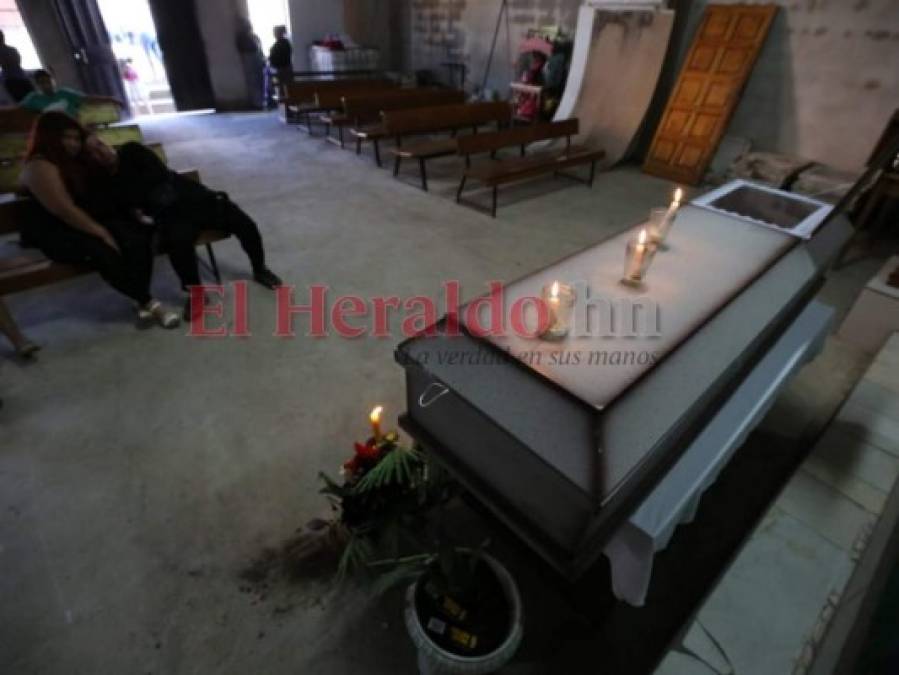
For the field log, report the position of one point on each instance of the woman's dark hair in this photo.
(46, 142)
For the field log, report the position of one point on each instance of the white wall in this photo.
(311, 20)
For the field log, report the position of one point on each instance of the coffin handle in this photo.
(430, 395)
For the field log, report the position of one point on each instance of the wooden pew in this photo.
(14, 145)
(11, 169)
(446, 118)
(19, 120)
(364, 112)
(301, 97)
(26, 269)
(496, 172)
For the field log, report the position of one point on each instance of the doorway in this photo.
(265, 15)
(132, 33)
(13, 27)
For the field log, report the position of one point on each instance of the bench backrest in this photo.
(14, 145)
(370, 107)
(11, 169)
(20, 120)
(300, 93)
(15, 211)
(517, 136)
(441, 118)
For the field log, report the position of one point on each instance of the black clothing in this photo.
(129, 272)
(281, 54)
(18, 88)
(182, 208)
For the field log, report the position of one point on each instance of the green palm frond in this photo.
(400, 466)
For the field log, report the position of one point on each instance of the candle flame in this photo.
(642, 238)
(554, 291)
(678, 195)
(375, 415)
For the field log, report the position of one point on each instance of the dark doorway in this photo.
(83, 27)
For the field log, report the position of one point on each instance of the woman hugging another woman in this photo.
(79, 222)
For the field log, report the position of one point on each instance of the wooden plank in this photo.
(11, 169)
(445, 117)
(14, 145)
(724, 50)
(95, 114)
(478, 143)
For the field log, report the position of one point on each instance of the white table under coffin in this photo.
(676, 498)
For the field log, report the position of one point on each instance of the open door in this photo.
(184, 53)
(82, 24)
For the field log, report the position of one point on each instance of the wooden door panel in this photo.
(715, 71)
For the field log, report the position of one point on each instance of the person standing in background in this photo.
(249, 46)
(280, 61)
(14, 78)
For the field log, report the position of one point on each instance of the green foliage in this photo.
(399, 466)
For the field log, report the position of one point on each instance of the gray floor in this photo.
(140, 470)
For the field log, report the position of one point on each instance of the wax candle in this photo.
(375, 418)
(637, 258)
(559, 300)
(661, 220)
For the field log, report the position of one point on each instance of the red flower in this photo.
(368, 451)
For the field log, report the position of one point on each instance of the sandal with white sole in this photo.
(156, 311)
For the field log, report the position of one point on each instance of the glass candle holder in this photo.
(658, 225)
(559, 300)
(638, 257)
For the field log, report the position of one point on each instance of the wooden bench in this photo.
(301, 100)
(11, 169)
(14, 145)
(16, 119)
(29, 268)
(446, 118)
(496, 172)
(365, 112)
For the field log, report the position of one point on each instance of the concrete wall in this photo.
(462, 30)
(310, 20)
(218, 26)
(826, 82)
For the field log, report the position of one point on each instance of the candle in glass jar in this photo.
(634, 270)
(559, 300)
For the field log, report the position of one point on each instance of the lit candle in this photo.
(661, 221)
(560, 299)
(375, 418)
(634, 271)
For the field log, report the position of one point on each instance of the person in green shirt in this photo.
(50, 97)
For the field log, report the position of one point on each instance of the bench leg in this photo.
(358, 145)
(424, 173)
(396, 165)
(378, 153)
(495, 194)
(213, 264)
(592, 173)
(461, 187)
(340, 136)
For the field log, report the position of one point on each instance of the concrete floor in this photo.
(141, 470)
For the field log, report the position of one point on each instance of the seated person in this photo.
(49, 97)
(74, 226)
(180, 208)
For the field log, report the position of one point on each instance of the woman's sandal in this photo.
(156, 311)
